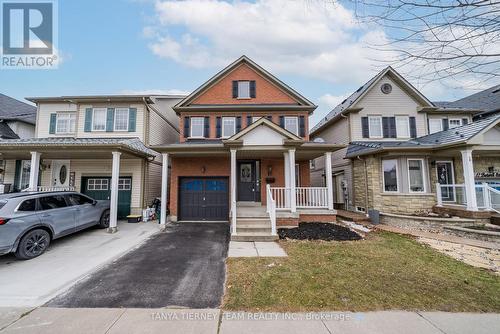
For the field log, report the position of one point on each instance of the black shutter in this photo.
(249, 120)
(235, 89)
(413, 127)
(282, 121)
(364, 127)
(218, 127)
(446, 125)
(17, 175)
(238, 124)
(270, 118)
(207, 127)
(252, 89)
(186, 127)
(385, 127)
(302, 126)
(465, 121)
(392, 127)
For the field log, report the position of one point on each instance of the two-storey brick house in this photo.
(97, 145)
(404, 154)
(243, 147)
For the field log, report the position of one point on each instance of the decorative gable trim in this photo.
(265, 122)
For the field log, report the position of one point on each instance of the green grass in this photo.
(385, 271)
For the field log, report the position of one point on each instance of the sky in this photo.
(164, 46)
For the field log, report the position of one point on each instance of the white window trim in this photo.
(297, 179)
(69, 115)
(407, 118)
(244, 97)
(454, 119)
(128, 119)
(370, 128)
(296, 123)
(222, 126)
(423, 176)
(202, 127)
(437, 120)
(397, 177)
(105, 119)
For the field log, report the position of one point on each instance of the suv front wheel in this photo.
(104, 221)
(33, 244)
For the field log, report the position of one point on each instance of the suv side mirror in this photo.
(94, 202)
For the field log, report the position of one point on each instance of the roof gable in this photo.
(12, 109)
(263, 122)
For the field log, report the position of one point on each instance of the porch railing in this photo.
(50, 188)
(271, 209)
(305, 197)
(487, 198)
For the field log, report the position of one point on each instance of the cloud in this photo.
(154, 92)
(316, 39)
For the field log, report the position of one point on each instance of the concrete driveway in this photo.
(34, 282)
(183, 267)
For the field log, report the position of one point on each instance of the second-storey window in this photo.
(292, 125)
(121, 119)
(228, 126)
(99, 119)
(243, 89)
(197, 127)
(454, 122)
(65, 123)
(435, 125)
(402, 127)
(390, 175)
(375, 126)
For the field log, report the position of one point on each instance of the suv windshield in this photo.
(2, 203)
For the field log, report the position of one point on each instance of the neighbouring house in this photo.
(97, 145)
(243, 155)
(406, 155)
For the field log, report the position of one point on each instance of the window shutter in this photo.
(364, 127)
(218, 127)
(302, 126)
(238, 124)
(249, 120)
(252, 89)
(52, 125)
(110, 119)
(413, 127)
(206, 133)
(446, 125)
(465, 121)
(186, 126)
(269, 118)
(235, 89)
(392, 127)
(385, 127)
(282, 121)
(132, 117)
(88, 120)
(17, 175)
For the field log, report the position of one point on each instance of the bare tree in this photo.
(445, 40)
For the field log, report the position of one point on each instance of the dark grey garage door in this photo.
(203, 198)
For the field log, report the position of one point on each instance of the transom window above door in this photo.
(99, 119)
(228, 126)
(121, 119)
(292, 125)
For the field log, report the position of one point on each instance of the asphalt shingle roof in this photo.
(12, 109)
(6, 132)
(487, 100)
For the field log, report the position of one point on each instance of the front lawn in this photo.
(385, 271)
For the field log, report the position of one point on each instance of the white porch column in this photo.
(115, 175)
(328, 177)
(233, 191)
(293, 195)
(470, 187)
(34, 170)
(164, 188)
(286, 160)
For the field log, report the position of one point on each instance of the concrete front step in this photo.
(254, 237)
(253, 229)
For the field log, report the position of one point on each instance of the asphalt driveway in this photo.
(183, 267)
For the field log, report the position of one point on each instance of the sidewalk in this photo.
(74, 321)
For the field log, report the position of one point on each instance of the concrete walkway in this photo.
(33, 282)
(255, 249)
(75, 321)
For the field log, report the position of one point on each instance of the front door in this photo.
(60, 173)
(248, 183)
(445, 176)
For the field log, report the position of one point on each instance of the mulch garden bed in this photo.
(318, 231)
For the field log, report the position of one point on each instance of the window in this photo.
(197, 124)
(454, 122)
(124, 184)
(435, 125)
(24, 178)
(97, 184)
(52, 202)
(75, 199)
(99, 119)
(121, 119)
(375, 126)
(292, 125)
(228, 126)
(256, 118)
(402, 127)
(312, 164)
(416, 175)
(28, 205)
(360, 209)
(297, 175)
(243, 89)
(65, 123)
(390, 175)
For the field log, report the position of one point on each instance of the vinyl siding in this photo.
(153, 180)
(43, 117)
(160, 131)
(23, 130)
(10, 170)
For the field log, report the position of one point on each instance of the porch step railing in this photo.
(487, 198)
(51, 188)
(271, 209)
(305, 197)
